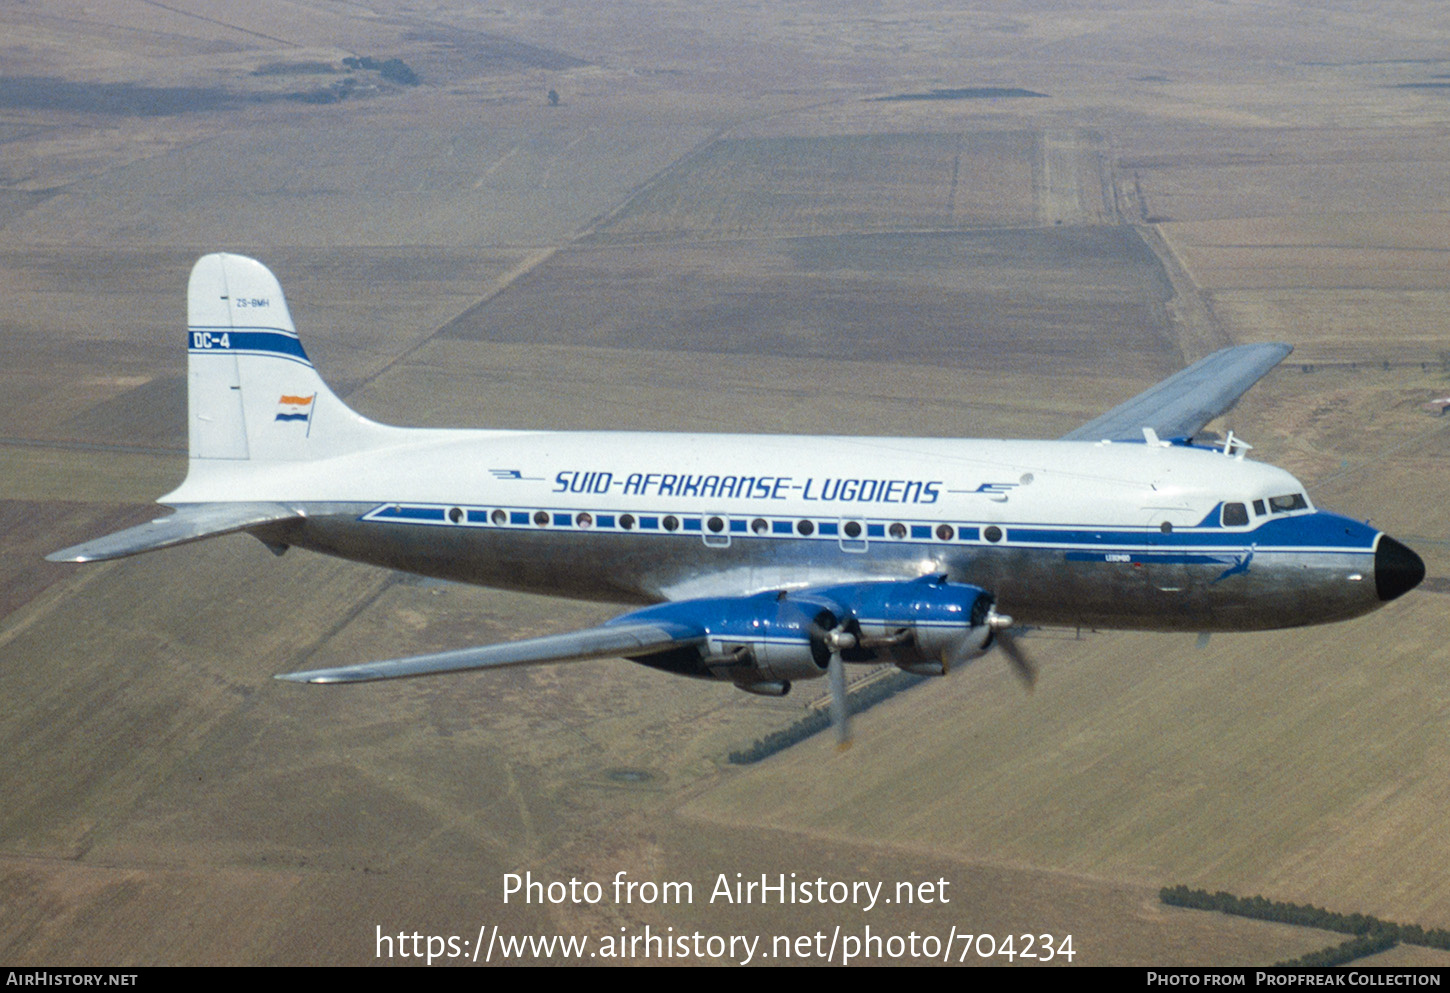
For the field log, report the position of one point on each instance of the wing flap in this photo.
(1182, 404)
(606, 641)
(190, 523)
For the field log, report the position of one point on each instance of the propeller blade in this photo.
(1021, 664)
(840, 715)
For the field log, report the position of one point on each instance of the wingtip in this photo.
(84, 552)
(323, 677)
(302, 677)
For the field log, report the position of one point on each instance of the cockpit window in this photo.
(1259, 508)
(1235, 515)
(1288, 502)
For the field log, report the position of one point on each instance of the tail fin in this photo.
(252, 393)
(252, 396)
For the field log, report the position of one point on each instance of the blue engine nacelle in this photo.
(924, 626)
(768, 638)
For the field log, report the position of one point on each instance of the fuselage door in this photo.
(1167, 574)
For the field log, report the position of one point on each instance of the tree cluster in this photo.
(1372, 935)
(1355, 948)
(393, 70)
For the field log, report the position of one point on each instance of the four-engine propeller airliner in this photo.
(764, 560)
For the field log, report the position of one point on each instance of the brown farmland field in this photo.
(719, 226)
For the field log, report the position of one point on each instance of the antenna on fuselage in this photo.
(1235, 447)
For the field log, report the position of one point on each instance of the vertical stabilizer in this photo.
(252, 393)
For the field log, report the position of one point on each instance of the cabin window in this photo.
(1289, 501)
(455, 514)
(897, 530)
(1259, 508)
(541, 518)
(584, 519)
(716, 524)
(993, 533)
(759, 526)
(852, 529)
(945, 532)
(672, 523)
(1235, 515)
(806, 528)
(626, 521)
(499, 517)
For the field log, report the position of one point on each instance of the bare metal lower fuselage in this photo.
(1241, 589)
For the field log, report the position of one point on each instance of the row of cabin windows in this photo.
(717, 525)
(1236, 515)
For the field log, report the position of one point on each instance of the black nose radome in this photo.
(1397, 570)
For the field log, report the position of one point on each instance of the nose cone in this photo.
(1397, 570)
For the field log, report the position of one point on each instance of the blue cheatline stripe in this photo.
(1215, 546)
(408, 515)
(246, 341)
(216, 330)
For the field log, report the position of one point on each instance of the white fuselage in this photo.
(1111, 534)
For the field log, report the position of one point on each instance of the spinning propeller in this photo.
(835, 636)
(1021, 664)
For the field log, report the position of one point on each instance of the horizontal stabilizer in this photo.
(190, 523)
(1182, 404)
(606, 641)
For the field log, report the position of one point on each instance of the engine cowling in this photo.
(924, 626)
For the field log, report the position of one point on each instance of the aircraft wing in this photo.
(1182, 404)
(629, 640)
(189, 523)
